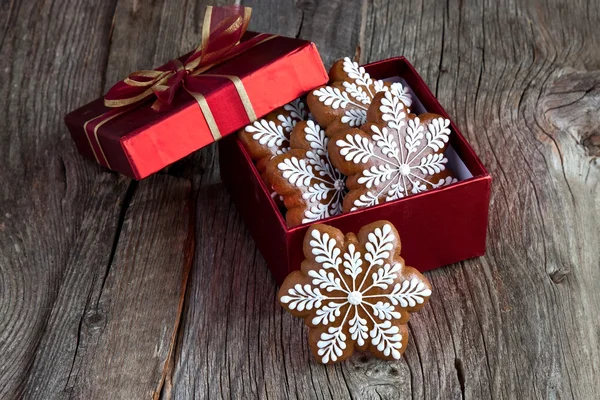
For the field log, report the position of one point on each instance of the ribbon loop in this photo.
(221, 40)
(222, 32)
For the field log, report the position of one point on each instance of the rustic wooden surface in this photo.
(115, 289)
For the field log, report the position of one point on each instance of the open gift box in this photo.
(156, 117)
(437, 227)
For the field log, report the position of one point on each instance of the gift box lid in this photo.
(156, 117)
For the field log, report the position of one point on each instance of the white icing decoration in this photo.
(399, 143)
(297, 110)
(273, 134)
(401, 92)
(267, 133)
(357, 95)
(303, 298)
(315, 173)
(340, 283)
(354, 117)
(445, 182)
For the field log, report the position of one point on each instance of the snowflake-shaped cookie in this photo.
(354, 292)
(393, 155)
(344, 103)
(270, 136)
(311, 187)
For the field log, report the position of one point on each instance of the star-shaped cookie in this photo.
(270, 136)
(394, 154)
(312, 189)
(343, 104)
(354, 292)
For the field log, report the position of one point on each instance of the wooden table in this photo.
(115, 289)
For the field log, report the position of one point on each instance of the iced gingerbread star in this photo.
(311, 187)
(270, 136)
(343, 104)
(393, 155)
(354, 292)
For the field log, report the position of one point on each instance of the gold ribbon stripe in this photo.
(239, 86)
(210, 120)
(96, 135)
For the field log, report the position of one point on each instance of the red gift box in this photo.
(209, 93)
(437, 227)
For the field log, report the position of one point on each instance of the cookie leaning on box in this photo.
(311, 187)
(394, 154)
(344, 102)
(354, 292)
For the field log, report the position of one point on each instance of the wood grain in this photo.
(59, 213)
(64, 263)
(113, 289)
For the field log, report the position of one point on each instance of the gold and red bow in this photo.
(222, 33)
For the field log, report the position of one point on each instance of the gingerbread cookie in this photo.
(393, 155)
(311, 187)
(269, 136)
(344, 103)
(354, 292)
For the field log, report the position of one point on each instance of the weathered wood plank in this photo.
(48, 209)
(61, 337)
(127, 332)
(62, 218)
(333, 25)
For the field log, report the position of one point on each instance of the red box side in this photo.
(436, 228)
(151, 148)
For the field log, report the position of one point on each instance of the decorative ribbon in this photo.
(222, 32)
